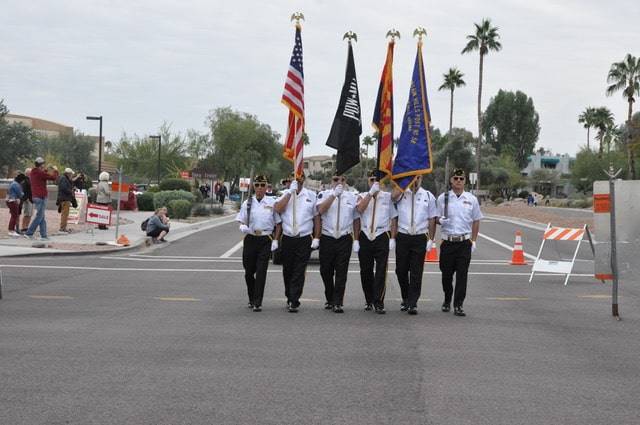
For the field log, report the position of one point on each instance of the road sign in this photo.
(124, 187)
(244, 184)
(98, 214)
(473, 178)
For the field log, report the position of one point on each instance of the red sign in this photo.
(601, 203)
(184, 174)
(98, 214)
(123, 188)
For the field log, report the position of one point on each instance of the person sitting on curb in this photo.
(158, 225)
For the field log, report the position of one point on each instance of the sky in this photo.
(139, 63)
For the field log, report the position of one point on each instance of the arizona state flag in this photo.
(347, 125)
(383, 116)
(414, 148)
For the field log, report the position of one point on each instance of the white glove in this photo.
(337, 191)
(274, 245)
(315, 243)
(245, 229)
(392, 244)
(429, 245)
(375, 188)
(473, 246)
(293, 188)
(443, 220)
(356, 246)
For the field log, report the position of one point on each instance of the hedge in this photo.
(145, 201)
(179, 208)
(175, 184)
(162, 199)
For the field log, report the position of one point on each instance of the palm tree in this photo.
(587, 118)
(485, 39)
(625, 76)
(452, 80)
(602, 120)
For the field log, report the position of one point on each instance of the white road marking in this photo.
(504, 245)
(232, 250)
(156, 270)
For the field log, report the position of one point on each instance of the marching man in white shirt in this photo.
(378, 225)
(416, 216)
(258, 221)
(301, 232)
(460, 220)
(337, 211)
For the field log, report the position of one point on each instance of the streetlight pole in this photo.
(92, 118)
(159, 138)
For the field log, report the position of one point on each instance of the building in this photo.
(317, 164)
(41, 127)
(553, 181)
(547, 161)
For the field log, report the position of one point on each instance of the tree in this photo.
(511, 125)
(452, 80)
(70, 150)
(241, 141)
(588, 167)
(587, 119)
(602, 120)
(16, 142)
(625, 76)
(483, 40)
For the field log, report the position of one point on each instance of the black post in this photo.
(93, 118)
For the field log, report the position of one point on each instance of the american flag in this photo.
(293, 98)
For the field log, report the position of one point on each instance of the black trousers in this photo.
(377, 251)
(334, 265)
(410, 251)
(455, 257)
(255, 260)
(295, 256)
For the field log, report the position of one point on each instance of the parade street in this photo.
(164, 337)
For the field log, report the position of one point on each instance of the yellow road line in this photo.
(508, 298)
(50, 297)
(176, 299)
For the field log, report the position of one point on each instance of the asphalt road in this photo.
(163, 337)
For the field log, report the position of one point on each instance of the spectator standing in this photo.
(222, 194)
(103, 196)
(216, 190)
(80, 181)
(158, 225)
(26, 206)
(38, 178)
(66, 198)
(14, 194)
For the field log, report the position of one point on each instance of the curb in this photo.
(144, 242)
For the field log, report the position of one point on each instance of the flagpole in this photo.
(297, 16)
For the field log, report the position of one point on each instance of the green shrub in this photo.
(145, 201)
(162, 199)
(201, 210)
(218, 210)
(498, 200)
(179, 208)
(153, 189)
(198, 195)
(524, 194)
(175, 184)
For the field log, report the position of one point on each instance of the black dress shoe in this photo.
(257, 308)
(328, 306)
(380, 310)
(249, 305)
(292, 309)
(446, 308)
(413, 311)
(368, 307)
(338, 309)
(458, 311)
(403, 307)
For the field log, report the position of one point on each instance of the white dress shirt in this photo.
(263, 218)
(305, 212)
(415, 211)
(462, 211)
(373, 225)
(334, 224)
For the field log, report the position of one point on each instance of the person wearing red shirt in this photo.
(38, 178)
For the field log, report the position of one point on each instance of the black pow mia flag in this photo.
(347, 124)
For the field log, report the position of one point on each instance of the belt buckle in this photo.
(258, 232)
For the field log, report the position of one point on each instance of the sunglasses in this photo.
(260, 185)
(459, 178)
(338, 179)
(373, 179)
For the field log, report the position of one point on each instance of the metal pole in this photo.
(118, 207)
(100, 148)
(614, 251)
(159, 152)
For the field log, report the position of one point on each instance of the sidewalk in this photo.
(89, 239)
(562, 217)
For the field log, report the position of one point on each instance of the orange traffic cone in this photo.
(123, 240)
(432, 255)
(517, 255)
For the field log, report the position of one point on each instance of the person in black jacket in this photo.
(66, 198)
(26, 202)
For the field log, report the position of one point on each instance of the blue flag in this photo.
(413, 156)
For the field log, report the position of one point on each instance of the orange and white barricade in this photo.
(555, 266)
